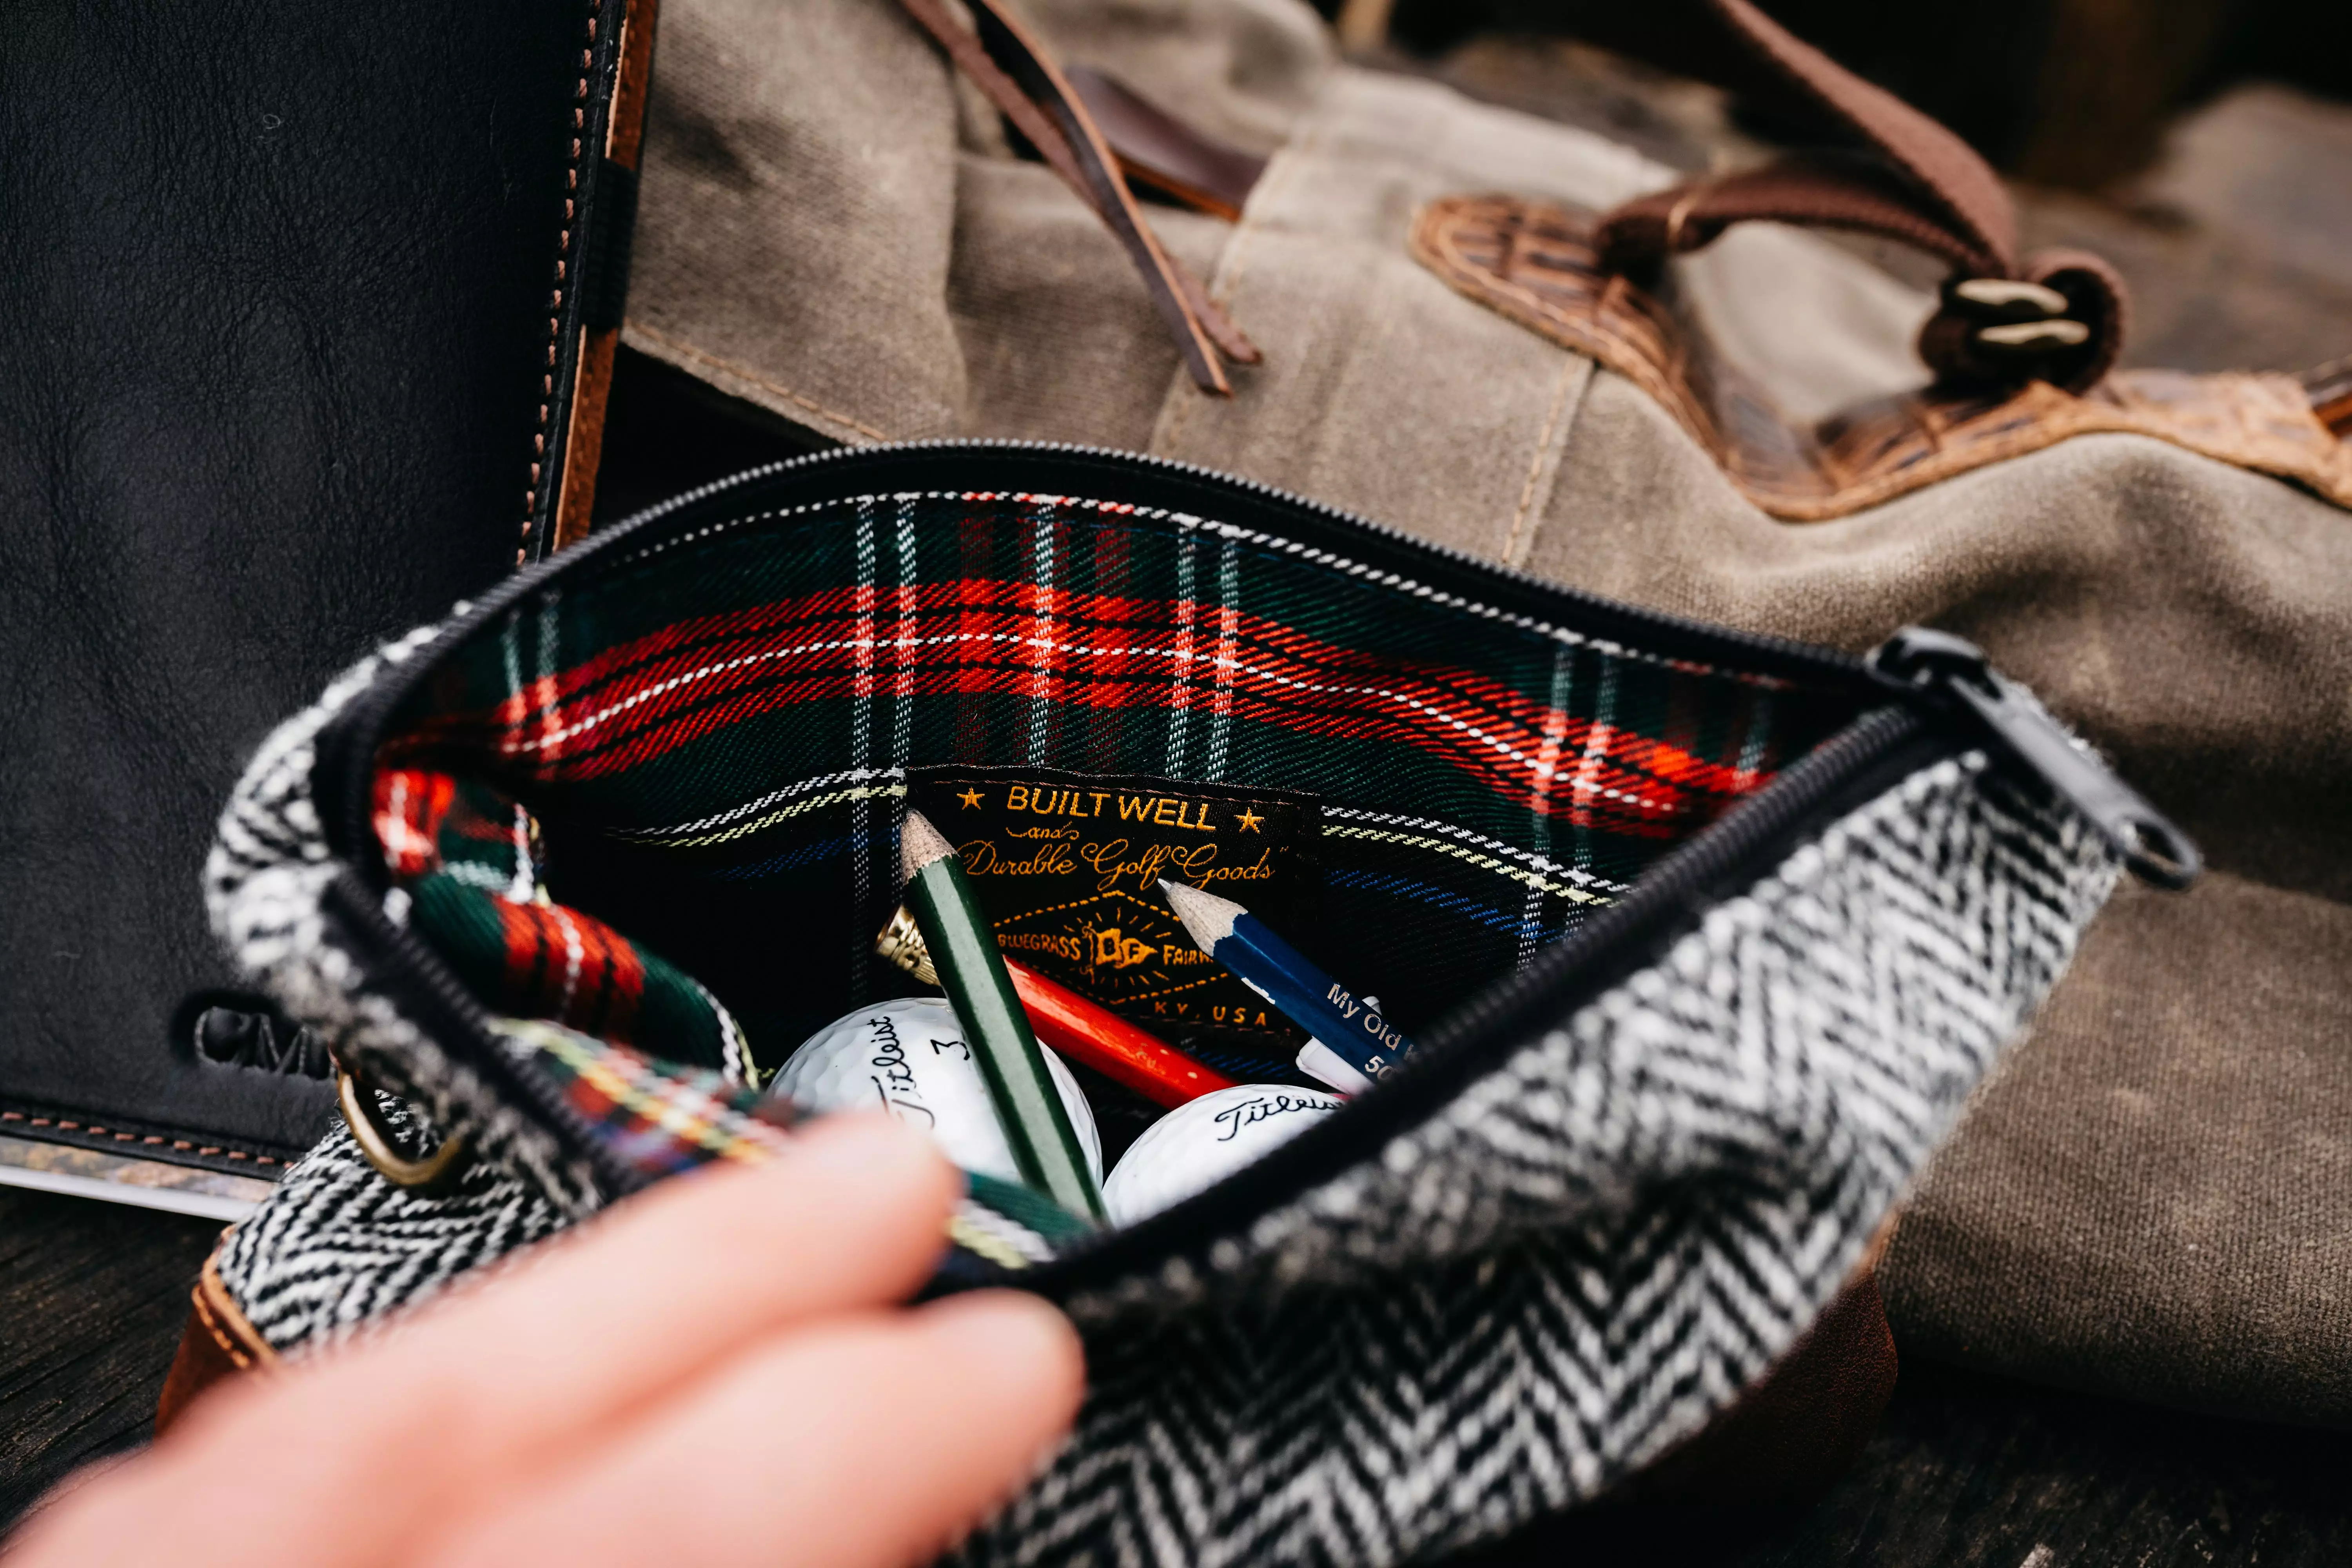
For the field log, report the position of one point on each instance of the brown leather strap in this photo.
(1013, 71)
(1955, 183)
(216, 1344)
(1159, 151)
(1928, 189)
(1939, 185)
(1818, 192)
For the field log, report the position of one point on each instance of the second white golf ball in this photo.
(1204, 1141)
(909, 1057)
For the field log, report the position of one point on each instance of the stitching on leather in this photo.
(1872, 454)
(219, 1313)
(85, 1136)
(744, 373)
(540, 474)
(211, 1325)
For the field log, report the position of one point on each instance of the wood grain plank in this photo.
(91, 1299)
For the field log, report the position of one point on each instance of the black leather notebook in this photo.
(307, 312)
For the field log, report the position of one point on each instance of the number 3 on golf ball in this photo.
(1204, 1141)
(909, 1057)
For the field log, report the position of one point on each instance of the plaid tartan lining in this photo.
(1486, 776)
(640, 708)
(666, 1120)
(464, 855)
(663, 1118)
(1272, 546)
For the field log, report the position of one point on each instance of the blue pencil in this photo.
(1353, 1044)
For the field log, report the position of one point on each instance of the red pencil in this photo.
(1074, 1026)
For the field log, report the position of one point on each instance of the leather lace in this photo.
(1015, 72)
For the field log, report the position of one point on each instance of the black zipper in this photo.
(430, 996)
(1955, 679)
(346, 749)
(1926, 696)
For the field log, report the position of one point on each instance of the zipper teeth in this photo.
(362, 716)
(1709, 859)
(1510, 1010)
(1714, 854)
(1828, 661)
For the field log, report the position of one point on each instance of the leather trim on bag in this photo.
(1796, 1429)
(1534, 263)
(2329, 388)
(605, 257)
(216, 1344)
(1156, 150)
(604, 275)
(143, 1139)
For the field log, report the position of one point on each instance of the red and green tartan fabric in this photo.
(665, 1119)
(698, 747)
(463, 853)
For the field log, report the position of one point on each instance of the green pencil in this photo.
(971, 972)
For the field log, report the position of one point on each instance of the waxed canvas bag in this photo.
(1745, 434)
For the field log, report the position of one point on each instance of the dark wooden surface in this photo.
(91, 1299)
(1965, 1472)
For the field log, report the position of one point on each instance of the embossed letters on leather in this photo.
(290, 299)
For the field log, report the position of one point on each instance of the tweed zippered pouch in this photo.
(1703, 939)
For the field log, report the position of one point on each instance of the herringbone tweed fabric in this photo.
(1541, 1261)
(1575, 1263)
(264, 885)
(337, 1247)
(1549, 1280)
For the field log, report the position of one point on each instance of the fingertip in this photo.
(881, 1155)
(1021, 1340)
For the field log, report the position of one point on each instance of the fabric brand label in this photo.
(1067, 867)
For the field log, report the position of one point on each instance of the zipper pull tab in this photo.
(1955, 674)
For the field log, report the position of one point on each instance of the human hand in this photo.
(713, 1372)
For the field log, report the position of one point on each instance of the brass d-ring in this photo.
(359, 1112)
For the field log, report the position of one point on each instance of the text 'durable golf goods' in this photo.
(1200, 1144)
(909, 1057)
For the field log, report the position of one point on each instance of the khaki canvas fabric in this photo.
(2153, 1197)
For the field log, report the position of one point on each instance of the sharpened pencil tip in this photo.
(920, 844)
(1207, 919)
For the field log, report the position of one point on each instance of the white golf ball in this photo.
(1204, 1141)
(909, 1057)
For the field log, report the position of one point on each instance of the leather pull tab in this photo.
(1818, 192)
(1918, 185)
(1951, 181)
(1163, 153)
